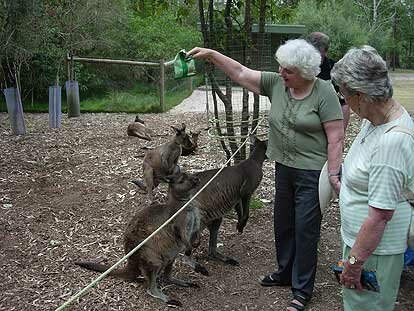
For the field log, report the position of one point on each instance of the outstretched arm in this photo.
(246, 77)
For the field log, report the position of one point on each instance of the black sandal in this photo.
(269, 280)
(297, 306)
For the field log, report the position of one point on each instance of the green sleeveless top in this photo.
(297, 138)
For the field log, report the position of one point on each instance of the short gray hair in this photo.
(363, 70)
(319, 40)
(300, 54)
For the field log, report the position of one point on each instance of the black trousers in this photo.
(297, 223)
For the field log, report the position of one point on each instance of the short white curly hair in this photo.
(300, 54)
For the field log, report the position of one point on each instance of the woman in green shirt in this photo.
(306, 129)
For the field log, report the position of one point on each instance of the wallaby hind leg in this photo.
(213, 227)
(170, 279)
(155, 291)
(243, 214)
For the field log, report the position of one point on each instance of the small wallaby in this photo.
(162, 160)
(194, 144)
(139, 129)
(232, 188)
(159, 253)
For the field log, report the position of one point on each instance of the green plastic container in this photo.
(184, 66)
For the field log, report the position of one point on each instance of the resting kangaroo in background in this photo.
(232, 188)
(162, 160)
(139, 129)
(159, 253)
(194, 144)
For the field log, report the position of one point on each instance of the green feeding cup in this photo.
(183, 66)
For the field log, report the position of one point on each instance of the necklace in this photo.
(367, 133)
(386, 116)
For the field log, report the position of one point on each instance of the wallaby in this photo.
(232, 188)
(159, 253)
(139, 129)
(162, 160)
(194, 144)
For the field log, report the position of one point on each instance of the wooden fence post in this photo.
(162, 85)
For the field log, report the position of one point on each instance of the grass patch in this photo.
(143, 98)
(255, 203)
(404, 93)
(401, 70)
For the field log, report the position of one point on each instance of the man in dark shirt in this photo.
(321, 42)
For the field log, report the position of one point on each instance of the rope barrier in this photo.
(94, 282)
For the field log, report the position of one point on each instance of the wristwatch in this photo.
(352, 260)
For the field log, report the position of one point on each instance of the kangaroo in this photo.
(139, 130)
(159, 253)
(162, 160)
(232, 188)
(194, 144)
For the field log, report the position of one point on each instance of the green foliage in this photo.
(343, 30)
(159, 37)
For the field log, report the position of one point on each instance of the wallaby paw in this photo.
(201, 269)
(240, 226)
(140, 184)
(174, 303)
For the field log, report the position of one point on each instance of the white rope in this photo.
(93, 283)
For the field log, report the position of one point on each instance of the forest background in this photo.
(37, 35)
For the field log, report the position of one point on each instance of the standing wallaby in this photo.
(232, 188)
(194, 144)
(162, 160)
(139, 129)
(159, 253)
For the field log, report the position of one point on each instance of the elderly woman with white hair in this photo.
(378, 167)
(306, 130)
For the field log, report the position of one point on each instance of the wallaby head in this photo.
(181, 137)
(259, 148)
(194, 137)
(137, 119)
(180, 186)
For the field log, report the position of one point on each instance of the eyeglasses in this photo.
(340, 95)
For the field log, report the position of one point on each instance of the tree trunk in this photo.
(256, 103)
(209, 71)
(244, 127)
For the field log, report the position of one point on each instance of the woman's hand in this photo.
(335, 181)
(351, 275)
(200, 53)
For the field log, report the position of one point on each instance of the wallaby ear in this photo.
(252, 139)
(137, 119)
(191, 133)
(183, 126)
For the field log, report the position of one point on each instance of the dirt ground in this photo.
(65, 195)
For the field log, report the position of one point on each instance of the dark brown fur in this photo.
(194, 144)
(162, 160)
(232, 188)
(159, 253)
(138, 129)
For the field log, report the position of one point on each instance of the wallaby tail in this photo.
(124, 273)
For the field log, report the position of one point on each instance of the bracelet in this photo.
(334, 174)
